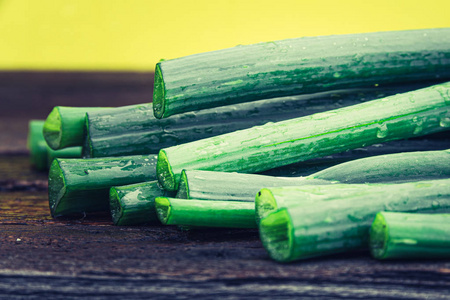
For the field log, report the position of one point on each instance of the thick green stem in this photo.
(64, 126)
(396, 235)
(134, 204)
(82, 185)
(210, 185)
(299, 66)
(332, 222)
(205, 213)
(272, 145)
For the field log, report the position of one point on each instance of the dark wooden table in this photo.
(88, 257)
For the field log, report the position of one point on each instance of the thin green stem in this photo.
(396, 235)
(205, 213)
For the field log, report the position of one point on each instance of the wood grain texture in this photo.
(87, 257)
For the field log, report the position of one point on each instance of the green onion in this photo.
(64, 126)
(299, 66)
(205, 213)
(82, 185)
(396, 235)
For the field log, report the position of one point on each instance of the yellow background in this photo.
(135, 34)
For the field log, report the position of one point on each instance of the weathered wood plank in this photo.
(109, 287)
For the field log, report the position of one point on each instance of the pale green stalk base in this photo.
(205, 213)
(408, 236)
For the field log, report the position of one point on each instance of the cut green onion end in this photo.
(56, 188)
(183, 189)
(53, 129)
(276, 235)
(158, 93)
(164, 172)
(115, 206)
(379, 234)
(162, 205)
(264, 204)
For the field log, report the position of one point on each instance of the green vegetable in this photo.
(210, 185)
(64, 126)
(432, 142)
(82, 185)
(41, 155)
(133, 129)
(402, 235)
(134, 204)
(420, 165)
(205, 213)
(397, 167)
(272, 145)
(299, 66)
(336, 219)
(392, 168)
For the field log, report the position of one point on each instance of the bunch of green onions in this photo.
(163, 163)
